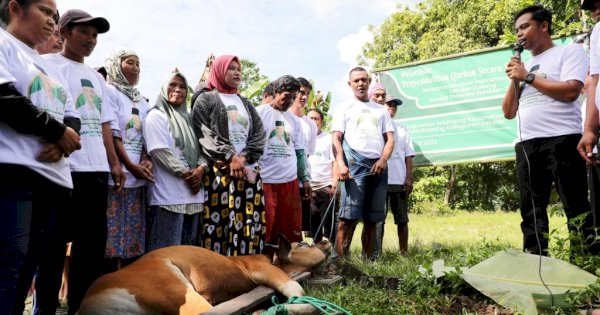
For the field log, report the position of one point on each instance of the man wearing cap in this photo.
(363, 140)
(589, 140)
(90, 166)
(543, 95)
(400, 170)
(400, 176)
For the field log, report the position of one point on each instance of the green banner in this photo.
(452, 107)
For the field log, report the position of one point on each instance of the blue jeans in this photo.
(363, 196)
(169, 229)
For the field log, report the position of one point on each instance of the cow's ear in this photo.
(284, 247)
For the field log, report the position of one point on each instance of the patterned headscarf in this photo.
(115, 75)
(179, 121)
(216, 78)
(375, 87)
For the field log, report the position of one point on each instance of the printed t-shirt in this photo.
(541, 116)
(88, 90)
(125, 117)
(397, 163)
(363, 125)
(283, 138)
(45, 86)
(321, 171)
(168, 189)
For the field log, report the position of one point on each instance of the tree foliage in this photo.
(251, 76)
(438, 28)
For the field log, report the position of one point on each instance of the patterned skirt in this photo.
(234, 214)
(126, 223)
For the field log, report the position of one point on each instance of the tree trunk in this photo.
(450, 185)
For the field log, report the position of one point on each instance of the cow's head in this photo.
(301, 256)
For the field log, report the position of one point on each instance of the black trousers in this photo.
(594, 182)
(551, 160)
(46, 248)
(87, 215)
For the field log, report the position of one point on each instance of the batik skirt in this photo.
(126, 223)
(234, 214)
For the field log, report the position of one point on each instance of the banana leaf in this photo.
(511, 279)
(255, 89)
(439, 269)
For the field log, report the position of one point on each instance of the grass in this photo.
(461, 239)
(463, 228)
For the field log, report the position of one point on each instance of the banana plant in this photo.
(255, 89)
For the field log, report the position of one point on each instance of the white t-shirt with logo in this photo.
(397, 163)
(540, 115)
(363, 125)
(283, 138)
(88, 90)
(309, 132)
(595, 58)
(126, 117)
(309, 129)
(238, 121)
(321, 171)
(168, 189)
(45, 86)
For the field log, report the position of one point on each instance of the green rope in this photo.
(325, 307)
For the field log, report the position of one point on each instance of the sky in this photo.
(315, 39)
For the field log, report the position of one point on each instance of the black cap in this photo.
(390, 100)
(587, 4)
(75, 16)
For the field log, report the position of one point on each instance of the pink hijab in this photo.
(375, 87)
(216, 78)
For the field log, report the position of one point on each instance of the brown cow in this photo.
(190, 280)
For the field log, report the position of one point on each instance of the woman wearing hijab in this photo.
(127, 108)
(176, 196)
(231, 134)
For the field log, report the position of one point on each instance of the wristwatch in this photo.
(529, 78)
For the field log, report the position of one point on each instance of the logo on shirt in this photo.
(279, 133)
(47, 95)
(88, 97)
(367, 125)
(235, 117)
(133, 141)
(89, 105)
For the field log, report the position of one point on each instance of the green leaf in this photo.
(439, 269)
(511, 279)
(255, 89)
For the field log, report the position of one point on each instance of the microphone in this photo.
(517, 50)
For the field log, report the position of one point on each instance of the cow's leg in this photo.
(194, 303)
(266, 274)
